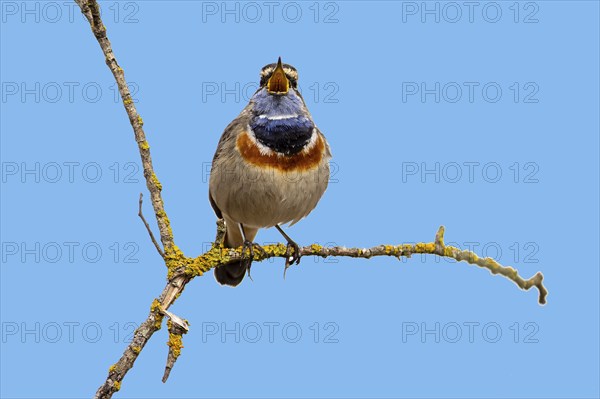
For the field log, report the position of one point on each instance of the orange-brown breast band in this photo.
(304, 160)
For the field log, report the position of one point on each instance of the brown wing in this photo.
(214, 206)
(230, 132)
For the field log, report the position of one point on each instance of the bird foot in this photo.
(250, 246)
(292, 254)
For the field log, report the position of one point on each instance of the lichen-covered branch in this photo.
(181, 265)
(91, 10)
(182, 269)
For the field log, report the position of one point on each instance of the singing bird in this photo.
(271, 167)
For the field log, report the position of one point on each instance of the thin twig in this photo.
(141, 215)
(218, 255)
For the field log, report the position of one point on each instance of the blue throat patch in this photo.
(287, 135)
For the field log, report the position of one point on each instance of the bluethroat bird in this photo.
(271, 167)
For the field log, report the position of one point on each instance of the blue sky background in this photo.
(510, 168)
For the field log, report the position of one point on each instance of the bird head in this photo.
(278, 78)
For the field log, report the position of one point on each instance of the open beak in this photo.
(278, 83)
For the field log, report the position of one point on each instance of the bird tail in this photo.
(233, 273)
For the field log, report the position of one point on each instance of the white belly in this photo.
(261, 198)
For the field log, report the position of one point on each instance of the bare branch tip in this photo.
(539, 283)
(439, 241)
(141, 201)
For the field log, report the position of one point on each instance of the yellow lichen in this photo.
(203, 263)
(175, 341)
(174, 257)
(155, 180)
(117, 385)
(219, 255)
(276, 250)
(424, 248)
(144, 145)
(155, 308)
(112, 368)
(136, 349)
(316, 247)
(140, 120)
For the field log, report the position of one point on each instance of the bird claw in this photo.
(291, 258)
(250, 246)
